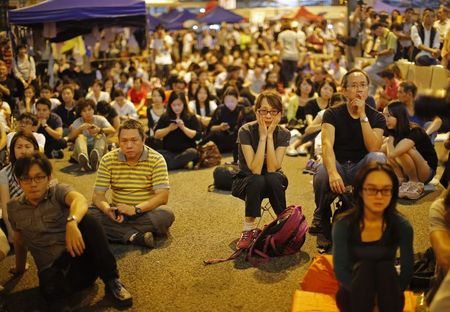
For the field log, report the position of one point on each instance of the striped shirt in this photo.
(7, 178)
(132, 184)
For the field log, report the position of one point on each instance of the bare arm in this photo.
(4, 198)
(274, 157)
(54, 133)
(329, 158)
(440, 241)
(161, 133)
(434, 126)
(402, 147)
(78, 208)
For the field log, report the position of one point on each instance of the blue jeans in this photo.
(375, 81)
(322, 192)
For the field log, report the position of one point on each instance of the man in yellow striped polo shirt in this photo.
(139, 182)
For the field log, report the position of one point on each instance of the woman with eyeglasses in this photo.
(22, 144)
(409, 151)
(365, 243)
(262, 145)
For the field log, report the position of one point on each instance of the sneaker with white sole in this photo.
(403, 188)
(95, 159)
(84, 162)
(415, 190)
(290, 151)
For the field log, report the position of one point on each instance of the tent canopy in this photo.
(219, 15)
(305, 14)
(70, 10)
(176, 22)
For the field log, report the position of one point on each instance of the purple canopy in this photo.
(219, 15)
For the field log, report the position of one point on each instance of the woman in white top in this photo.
(154, 112)
(24, 66)
(202, 106)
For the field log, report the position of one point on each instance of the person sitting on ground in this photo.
(125, 108)
(407, 92)
(96, 94)
(409, 151)
(352, 135)
(27, 123)
(365, 243)
(26, 105)
(138, 96)
(425, 38)
(50, 126)
(262, 146)
(312, 108)
(124, 83)
(106, 110)
(296, 115)
(154, 112)
(179, 129)
(222, 127)
(67, 110)
(68, 245)
(139, 182)
(390, 90)
(439, 219)
(312, 132)
(203, 106)
(22, 144)
(47, 93)
(89, 132)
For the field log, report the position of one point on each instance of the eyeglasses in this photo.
(358, 86)
(36, 179)
(371, 191)
(264, 112)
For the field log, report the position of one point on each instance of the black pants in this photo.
(288, 70)
(225, 140)
(254, 188)
(372, 282)
(68, 274)
(179, 160)
(53, 145)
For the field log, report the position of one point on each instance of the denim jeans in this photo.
(322, 191)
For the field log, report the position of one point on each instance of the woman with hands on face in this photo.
(262, 145)
(179, 130)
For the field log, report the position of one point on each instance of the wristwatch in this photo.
(72, 218)
(137, 211)
(365, 119)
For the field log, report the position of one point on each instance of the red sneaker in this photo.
(247, 238)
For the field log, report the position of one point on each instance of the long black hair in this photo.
(208, 97)
(29, 137)
(356, 213)
(186, 113)
(398, 110)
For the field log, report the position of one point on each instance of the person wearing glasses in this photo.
(262, 145)
(22, 144)
(352, 135)
(365, 243)
(68, 245)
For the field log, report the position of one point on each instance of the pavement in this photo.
(172, 277)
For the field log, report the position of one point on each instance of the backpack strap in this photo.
(233, 256)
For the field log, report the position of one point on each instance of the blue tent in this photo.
(170, 15)
(79, 10)
(153, 21)
(219, 15)
(67, 15)
(177, 22)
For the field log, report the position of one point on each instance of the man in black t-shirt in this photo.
(8, 87)
(352, 135)
(50, 125)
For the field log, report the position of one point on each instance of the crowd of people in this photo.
(144, 116)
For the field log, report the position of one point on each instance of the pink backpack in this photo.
(283, 236)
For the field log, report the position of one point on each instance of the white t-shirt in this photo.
(127, 109)
(193, 108)
(40, 138)
(290, 41)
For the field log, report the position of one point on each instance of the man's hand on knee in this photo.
(336, 183)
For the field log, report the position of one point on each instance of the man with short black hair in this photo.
(67, 110)
(138, 178)
(69, 246)
(425, 38)
(352, 135)
(50, 125)
(28, 123)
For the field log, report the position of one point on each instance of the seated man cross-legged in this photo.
(68, 245)
(139, 181)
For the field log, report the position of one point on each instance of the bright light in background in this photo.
(195, 27)
(202, 10)
(214, 27)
